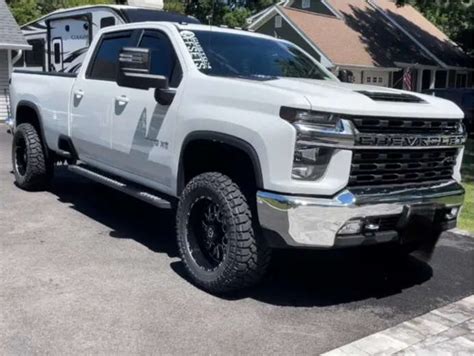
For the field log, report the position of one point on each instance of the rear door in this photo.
(93, 100)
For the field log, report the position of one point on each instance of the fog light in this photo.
(453, 213)
(310, 163)
(352, 227)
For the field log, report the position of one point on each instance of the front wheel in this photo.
(216, 239)
(33, 171)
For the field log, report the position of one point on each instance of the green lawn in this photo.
(466, 222)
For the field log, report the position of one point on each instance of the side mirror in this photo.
(134, 70)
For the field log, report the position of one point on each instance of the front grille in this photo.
(407, 126)
(381, 167)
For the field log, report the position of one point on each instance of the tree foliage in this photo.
(453, 17)
(234, 14)
(28, 10)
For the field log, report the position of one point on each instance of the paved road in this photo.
(84, 269)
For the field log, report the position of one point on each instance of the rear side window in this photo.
(163, 57)
(104, 66)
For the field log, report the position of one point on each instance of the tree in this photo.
(24, 10)
(174, 6)
(28, 10)
(455, 18)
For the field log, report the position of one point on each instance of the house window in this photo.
(369, 79)
(277, 21)
(305, 4)
(461, 80)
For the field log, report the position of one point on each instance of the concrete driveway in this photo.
(84, 269)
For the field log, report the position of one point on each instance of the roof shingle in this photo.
(362, 38)
(10, 34)
(426, 33)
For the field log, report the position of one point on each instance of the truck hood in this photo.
(345, 98)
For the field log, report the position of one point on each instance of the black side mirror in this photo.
(134, 70)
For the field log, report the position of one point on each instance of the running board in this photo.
(130, 189)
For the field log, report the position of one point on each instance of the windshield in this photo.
(233, 55)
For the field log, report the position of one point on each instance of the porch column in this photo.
(433, 79)
(419, 80)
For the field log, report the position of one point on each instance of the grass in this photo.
(466, 221)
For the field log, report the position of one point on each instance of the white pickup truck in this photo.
(254, 143)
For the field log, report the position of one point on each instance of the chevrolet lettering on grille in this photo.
(410, 140)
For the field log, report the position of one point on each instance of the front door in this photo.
(141, 132)
(92, 107)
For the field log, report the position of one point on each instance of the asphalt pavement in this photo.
(85, 269)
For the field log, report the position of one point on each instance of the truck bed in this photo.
(50, 95)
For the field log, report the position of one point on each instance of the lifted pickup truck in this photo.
(254, 143)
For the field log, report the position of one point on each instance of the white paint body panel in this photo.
(129, 143)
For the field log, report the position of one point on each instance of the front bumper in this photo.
(316, 222)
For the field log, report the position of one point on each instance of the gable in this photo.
(288, 33)
(363, 37)
(316, 6)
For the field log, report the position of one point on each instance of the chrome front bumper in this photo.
(316, 222)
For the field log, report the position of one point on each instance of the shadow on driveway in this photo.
(300, 278)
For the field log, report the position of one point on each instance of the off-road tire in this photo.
(37, 170)
(247, 256)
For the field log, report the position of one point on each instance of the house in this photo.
(370, 42)
(11, 39)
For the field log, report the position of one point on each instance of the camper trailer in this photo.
(60, 40)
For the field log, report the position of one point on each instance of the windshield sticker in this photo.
(196, 51)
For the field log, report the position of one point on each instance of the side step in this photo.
(127, 188)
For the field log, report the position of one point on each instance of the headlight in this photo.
(310, 161)
(313, 118)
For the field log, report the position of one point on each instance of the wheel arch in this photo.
(224, 139)
(24, 107)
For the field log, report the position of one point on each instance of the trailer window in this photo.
(107, 21)
(35, 57)
(104, 66)
(57, 53)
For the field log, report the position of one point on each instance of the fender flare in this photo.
(34, 107)
(219, 137)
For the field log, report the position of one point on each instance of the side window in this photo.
(104, 66)
(163, 57)
(35, 57)
(107, 21)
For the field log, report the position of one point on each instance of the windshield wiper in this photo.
(259, 77)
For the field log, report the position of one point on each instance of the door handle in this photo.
(121, 100)
(79, 94)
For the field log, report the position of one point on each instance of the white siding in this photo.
(4, 77)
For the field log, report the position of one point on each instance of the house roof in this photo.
(361, 38)
(11, 36)
(426, 33)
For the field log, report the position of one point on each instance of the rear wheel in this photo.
(216, 239)
(33, 171)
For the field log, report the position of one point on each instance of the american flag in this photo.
(408, 79)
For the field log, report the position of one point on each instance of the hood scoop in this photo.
(391, 97)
